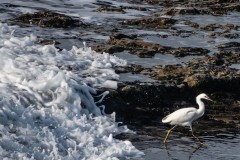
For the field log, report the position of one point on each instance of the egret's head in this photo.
(204, 96)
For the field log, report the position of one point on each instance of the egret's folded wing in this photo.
(180, 116)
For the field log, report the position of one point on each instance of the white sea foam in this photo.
(47, 110)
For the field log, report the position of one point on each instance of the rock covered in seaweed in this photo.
(48, 19)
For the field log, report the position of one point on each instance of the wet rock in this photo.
(139, 8)
(213, 27)
(225, 1)
(153, 23)
(173, 11)
(114, 49)
(185, 51)
(153, 102)
(144, 105)
(202, 73)
(118, 104)
(177, 86)
(120, 36)
(182, 33)
(226, 35)
(101, 48)
(152, 2)
(107, 48)
(47, 19)
(229, 45)
(121, 9)
(191, 24)
(103, 3)
(200, 7)
(167, 72)
(232, 47)
(224, 8)
(130, 68)
(138, 47)
(110, 9)
(146, 49)
(136, 96)
(225, 58)
(163, 36)
(48, 42)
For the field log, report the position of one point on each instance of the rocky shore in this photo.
(215, 70)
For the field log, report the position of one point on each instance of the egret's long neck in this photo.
(201, 105)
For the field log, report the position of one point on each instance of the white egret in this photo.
(185, 116)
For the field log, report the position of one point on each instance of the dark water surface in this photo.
(222, 146)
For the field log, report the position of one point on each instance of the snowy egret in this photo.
(185, 116)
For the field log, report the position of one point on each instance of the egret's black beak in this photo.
(209, 99)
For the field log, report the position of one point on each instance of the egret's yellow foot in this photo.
(201, 143)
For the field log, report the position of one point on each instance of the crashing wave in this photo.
(47, 110)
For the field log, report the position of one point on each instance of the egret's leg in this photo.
(201, 143)
(168, 134)
(196, 136)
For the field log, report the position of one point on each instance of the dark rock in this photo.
(146, 49)
(224, 8)
(185, 51)
(48, 42)
(155, 101)
(115, 49)
(103, 3)
(152, 2)
(178, 87)
(110, 9)
(173, 11)
(230, 45)
(146, 104)
(191, 24)
(213, 27)
(47, 19)
(100, 48)
(139, 8)
(226, 35)
(225, 57)
(120, 36)
(130, 68)
(152, 23)
(139, 47)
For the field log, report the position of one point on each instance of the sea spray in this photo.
(46, 106)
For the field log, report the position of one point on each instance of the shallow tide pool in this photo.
(221, 146)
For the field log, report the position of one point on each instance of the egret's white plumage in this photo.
(185, 116)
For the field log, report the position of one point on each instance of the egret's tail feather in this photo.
(165, 119)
